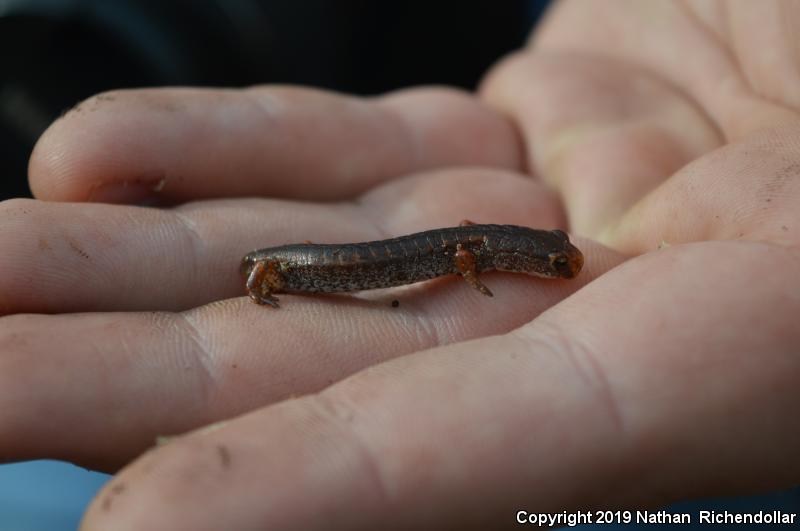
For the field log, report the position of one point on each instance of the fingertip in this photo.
(258, 471)
(46, 165)
(99, 152)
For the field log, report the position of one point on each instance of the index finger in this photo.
(292, 142)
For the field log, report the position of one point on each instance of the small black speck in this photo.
(769, 200)
(234, 366)
(395, 303)
(784, 228)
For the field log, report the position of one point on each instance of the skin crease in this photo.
(657, 375)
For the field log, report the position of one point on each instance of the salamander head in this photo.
(541, 253)
(564, 259)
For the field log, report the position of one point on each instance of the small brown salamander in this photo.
(465, 250)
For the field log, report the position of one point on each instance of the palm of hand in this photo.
(675, 367)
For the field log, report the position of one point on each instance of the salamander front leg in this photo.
(261, 282)
(465, 264)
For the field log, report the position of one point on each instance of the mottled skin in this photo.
(466, 250)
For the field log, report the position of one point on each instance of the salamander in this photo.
(465, 250)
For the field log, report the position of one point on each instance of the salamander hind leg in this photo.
(465, 264)
(465, 222)
(262, 280)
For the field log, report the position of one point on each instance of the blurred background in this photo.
(55, 53)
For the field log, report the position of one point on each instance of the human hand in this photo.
(146, 279)
(628, 392)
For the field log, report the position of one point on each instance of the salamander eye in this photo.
(558, 259)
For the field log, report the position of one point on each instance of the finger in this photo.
(112, 373)
(604, 133)
(747, 190)
(75, 257)
(565, 414)
(175, 145)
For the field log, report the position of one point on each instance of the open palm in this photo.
(667, 369)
